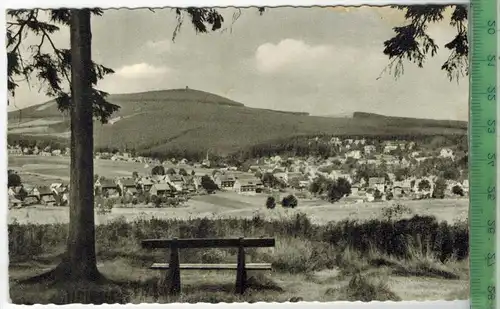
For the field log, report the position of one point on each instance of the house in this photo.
(11, 191)
(107, 187)
(245, 186)
(254, 169)
(291, 175)
(397, 191)
(446, 153)
(392, 177)
(159, 178)
(161, 189)
(192, 183)
(335, 141)
(390, 147)
(14, 202)
(377, 183)
(369, 149)
(30, 194)
(61, 193)
(304, 184)
(127, 186)
(18, 192)
(145, 183)
(283, 176)
(465, 183)
(403, 186)
(354, 190)
(279, 169)
(46, 195)
(225, 181)
(355, 154)
(177, 181)
(15, 152)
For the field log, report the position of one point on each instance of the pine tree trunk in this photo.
(81, 255)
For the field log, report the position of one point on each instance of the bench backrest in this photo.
(208, 243)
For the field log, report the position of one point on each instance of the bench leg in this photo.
(241, 275)
(174, 274)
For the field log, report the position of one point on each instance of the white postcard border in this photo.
(4, 289)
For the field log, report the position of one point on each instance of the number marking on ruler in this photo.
(484, 125)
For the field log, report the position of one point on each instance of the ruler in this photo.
(484, 127)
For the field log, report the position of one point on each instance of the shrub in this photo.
(377, 195)
(156, 200)
(389, 196)
(270, 202)
(289, 201)
(338, 189)
(158, 170)
(439, 188)
(457, 190)
(14, 180)
(396, 211)
(361, 288)
(208, 184)
(147, 198)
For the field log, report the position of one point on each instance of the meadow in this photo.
(418, 258)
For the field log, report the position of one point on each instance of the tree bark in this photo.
(79, 262)
(81, 255)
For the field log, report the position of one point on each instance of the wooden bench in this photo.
(173, 278)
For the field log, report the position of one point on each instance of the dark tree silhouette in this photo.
(413, 43)
(208, 184)
(13, 180)
(289, 201)
(171, 171)
(439, 188)
(270, 202)
(52, 69)
(158, 170)
(377, 195)
(183, 172)
(338, 189)
(424, 185)
(457, 190)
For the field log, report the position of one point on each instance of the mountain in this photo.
(187, 121)
(406, 121)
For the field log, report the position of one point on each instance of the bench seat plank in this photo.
(248, 266)
(207, 243)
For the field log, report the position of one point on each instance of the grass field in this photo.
(309, 261)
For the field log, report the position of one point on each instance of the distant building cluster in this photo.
(380, 170)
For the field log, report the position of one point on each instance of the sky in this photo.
(324, 61)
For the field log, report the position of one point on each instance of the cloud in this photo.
(272, 58)
(140, 70)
